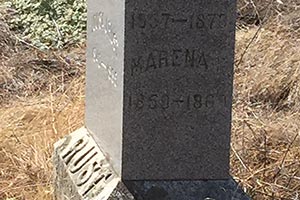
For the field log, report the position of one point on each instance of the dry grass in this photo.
(29, 127)
(41, 101)
(266, 123)
(28, 131)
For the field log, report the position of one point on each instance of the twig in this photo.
(52, 111)
(285, 155)
(256, 34)
(291, 177)
(57, 30)
(240, 159)
(28, 44)
(251, 129)
(60, 58)
(266, 153)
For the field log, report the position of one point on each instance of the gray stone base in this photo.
(186, 190)
(83, 173)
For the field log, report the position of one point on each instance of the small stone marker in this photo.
(158, 104)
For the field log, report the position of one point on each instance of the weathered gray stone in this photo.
(158, 104)
(121, 193)
(63, 184)
(104, 82)
(82, 170)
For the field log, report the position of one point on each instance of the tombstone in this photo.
(158, 104)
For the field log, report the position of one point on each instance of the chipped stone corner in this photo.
(81, 170)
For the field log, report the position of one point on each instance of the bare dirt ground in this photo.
(42, 99)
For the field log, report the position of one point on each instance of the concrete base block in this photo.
(186, 190)
(82, 172)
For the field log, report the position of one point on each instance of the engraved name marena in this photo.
(165, 20)
(159, 59)
(87, 166)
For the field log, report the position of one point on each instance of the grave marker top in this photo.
(159, 85)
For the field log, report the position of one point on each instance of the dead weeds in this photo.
(266, 119)
(42, 99)
(29, 73)
(28, 130)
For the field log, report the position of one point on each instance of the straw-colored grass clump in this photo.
(42, 99)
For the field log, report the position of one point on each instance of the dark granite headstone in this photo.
(178, 75)
(158, 102)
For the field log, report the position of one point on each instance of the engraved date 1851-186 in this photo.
(166, 101)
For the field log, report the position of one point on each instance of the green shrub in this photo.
(50, 23)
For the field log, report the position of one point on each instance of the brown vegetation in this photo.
(42, 99)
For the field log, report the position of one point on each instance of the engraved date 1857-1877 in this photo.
(194, 21)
